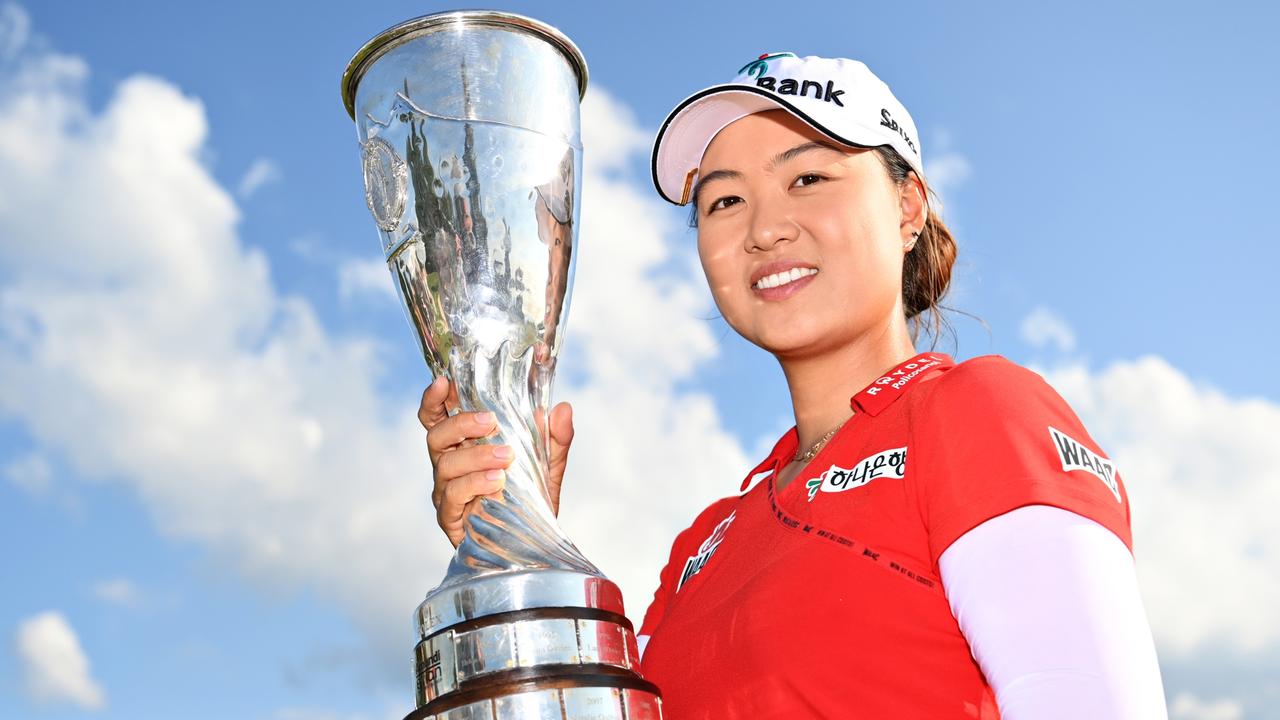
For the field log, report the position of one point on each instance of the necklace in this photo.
(808, 455)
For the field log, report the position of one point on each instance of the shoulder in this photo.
(989, 399)
(986, 384)
(706, 531)
(991, 436)
(986, 373)
(709, 521)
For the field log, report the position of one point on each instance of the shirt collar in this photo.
(872, 400)
(882, 391)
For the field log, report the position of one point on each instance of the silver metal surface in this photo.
(583, 703)
(457, 20)
(604, 642)
(536, 704)
(548, 641)
(486, 650)
(642, 705)
(469, 127)
(524, 590)
(437, 666)
(592, 703)
(482, 710)
(450, 658)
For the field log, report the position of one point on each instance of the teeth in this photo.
(782, 278)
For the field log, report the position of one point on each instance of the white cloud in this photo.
(309, 246)
(948, 170)
(1043, 327)
(1189, 707)
(262, 172)
(30, 473)
(154, 349)
(361, 276)
(33, 474)
(117, 591)
(1203, 474)
(610, 136)
(54, 666)
(15, 30)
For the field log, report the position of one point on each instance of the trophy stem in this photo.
(516, 530)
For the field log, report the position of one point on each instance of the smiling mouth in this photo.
(783, 278)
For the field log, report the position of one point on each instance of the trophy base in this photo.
(577, 694)
(542, 644)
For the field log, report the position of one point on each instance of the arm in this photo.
(1049, 603)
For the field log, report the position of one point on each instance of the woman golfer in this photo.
(931, 539)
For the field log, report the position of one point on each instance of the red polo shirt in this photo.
(824, 599)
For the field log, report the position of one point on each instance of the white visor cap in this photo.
(840, 98)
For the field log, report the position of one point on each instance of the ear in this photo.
(913, 208)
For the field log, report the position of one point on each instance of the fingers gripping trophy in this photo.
(469, 130)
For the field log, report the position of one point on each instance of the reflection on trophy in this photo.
(468, 124)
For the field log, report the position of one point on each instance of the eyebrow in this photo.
(799, 150)
(780, 158)
(710, 177)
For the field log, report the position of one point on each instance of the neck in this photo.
(822, 384)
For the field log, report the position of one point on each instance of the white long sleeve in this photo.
(1048, 601)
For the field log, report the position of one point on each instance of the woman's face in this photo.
(801, 241)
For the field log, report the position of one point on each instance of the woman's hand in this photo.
(465, 471)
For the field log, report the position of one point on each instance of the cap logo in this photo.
(758, 66)
(791, 86)
(887, 120)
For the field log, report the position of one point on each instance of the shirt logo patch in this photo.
(695, 563)
(1076, 456)
(904, 374)
(888, 463)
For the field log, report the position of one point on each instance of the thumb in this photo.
(561, 426)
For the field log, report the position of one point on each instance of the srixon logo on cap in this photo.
(790, 86)
(887, 120)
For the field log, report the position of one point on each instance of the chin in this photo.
(789, 342)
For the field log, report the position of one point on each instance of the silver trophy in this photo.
(469, 133)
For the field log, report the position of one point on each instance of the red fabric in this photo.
(823, 598)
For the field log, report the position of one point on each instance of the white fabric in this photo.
(1048, 601)
(851, 105)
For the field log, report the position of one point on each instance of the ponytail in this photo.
(926, 269)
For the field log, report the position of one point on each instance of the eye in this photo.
(807, 179)
(722, 203)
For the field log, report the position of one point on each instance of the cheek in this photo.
(863, 250)
(718, 264)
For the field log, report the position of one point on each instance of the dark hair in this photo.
(926, 270)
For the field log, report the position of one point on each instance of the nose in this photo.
(771, 224)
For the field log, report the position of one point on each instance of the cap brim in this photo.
(694, 123)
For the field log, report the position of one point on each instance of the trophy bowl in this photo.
(468, 124)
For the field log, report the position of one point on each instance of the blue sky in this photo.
(212, 490)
